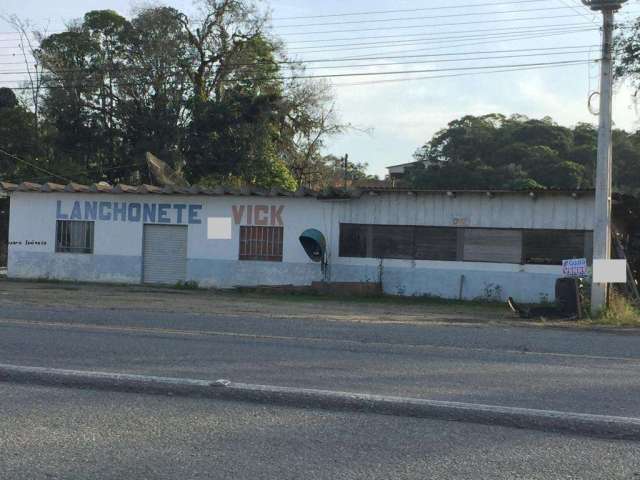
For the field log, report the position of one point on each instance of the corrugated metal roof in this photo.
(150, 189)
(104, 188)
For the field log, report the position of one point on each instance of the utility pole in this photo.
(602, 220)
(345, 160)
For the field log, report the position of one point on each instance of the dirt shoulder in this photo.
(276, 304)
(246, 303)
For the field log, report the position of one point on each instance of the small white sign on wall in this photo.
(610, 271)
(219, 228)
(575, 267)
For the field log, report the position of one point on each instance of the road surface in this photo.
(52, 433)
(579, 371)
(68, 434)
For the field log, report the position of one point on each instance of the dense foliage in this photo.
(494, 151)
(214, 96)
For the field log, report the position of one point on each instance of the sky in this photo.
(542, 61)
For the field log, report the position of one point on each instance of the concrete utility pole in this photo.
(345, 166)
(602, 221)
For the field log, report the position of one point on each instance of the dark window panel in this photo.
(436, 243)
(393, 241)
(354, 239)
(492, 245)
(550, 247)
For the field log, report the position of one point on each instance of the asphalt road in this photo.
(48, 433)
(578, 371)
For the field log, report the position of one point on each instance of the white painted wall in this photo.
(118, 245)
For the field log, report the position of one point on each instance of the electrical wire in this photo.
(335, 75)
(33, 165)
(324, 67)
(379, 12)
(480, 39)
(419, 40)
(467, 74)
(575, 8)
(408, 35)
(431, 17)
(504, 30)
(402, 27)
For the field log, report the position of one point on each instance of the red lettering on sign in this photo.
(238, 212)
(276, 215)
(261, 215)
(249, 214)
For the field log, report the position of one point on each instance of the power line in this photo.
(405, 35)
(336, 75)
(445, 41)
(369, 12)
(521, 55)
(451, 15)
(388, 57)
(418, 40)
(447, 44)
(467, 74)
(520, 35)
(411, 54)
(579, 10)
(408, 35)
(378, 12)
(11, 155)
(360, 30)
(401, 27)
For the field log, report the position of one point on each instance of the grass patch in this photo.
(308, 295)
(188, 285)
(620, 312)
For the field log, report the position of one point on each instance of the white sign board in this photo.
(610, 271)
(576, 267)
(219, 228)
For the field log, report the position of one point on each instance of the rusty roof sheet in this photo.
(105, 188)
(121, 188)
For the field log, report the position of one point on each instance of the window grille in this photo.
(74, 237)
(261, 243)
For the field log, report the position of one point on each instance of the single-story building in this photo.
(451, 244)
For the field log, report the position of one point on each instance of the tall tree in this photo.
(20, 152)
(207, 94)
(494, 151)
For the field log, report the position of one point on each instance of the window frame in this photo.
(89, 234)
(463, 244)
(365, 235)
(268, 248)
(587, 236)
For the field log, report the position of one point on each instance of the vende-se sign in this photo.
(576, 267)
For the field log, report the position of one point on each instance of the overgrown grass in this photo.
(620, 312)
(188, 285)
(378, 299)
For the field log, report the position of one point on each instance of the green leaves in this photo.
(494, 151)
(206, 96)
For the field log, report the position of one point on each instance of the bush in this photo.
(620, 312)
(188, 285)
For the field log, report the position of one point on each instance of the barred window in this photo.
(398, 241)
(550, 247)
(261, 243)
(74, 236)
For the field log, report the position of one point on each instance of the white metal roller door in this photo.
(164, 254)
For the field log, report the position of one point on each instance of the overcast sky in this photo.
(400, 115)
